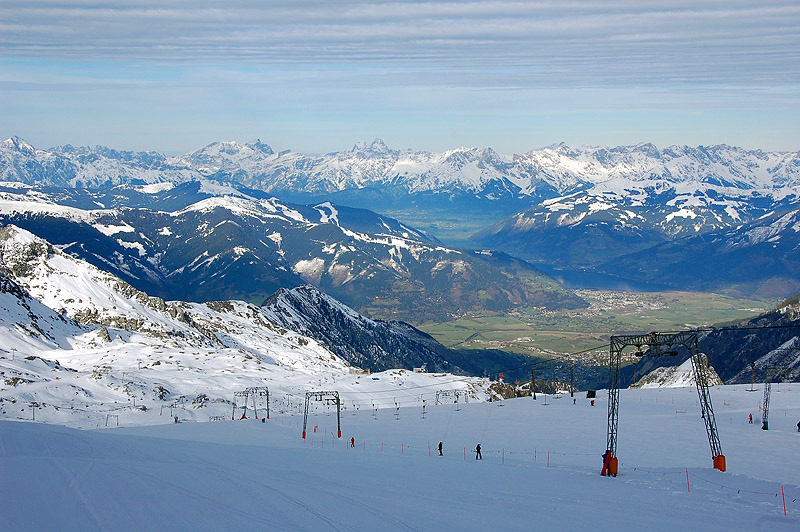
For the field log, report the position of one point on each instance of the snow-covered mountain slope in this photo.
(234, 246)
(675, 377)
(363, 342)
(761, 258)
(107, 345)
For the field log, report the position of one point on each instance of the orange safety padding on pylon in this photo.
(719, 462)
(613, 466)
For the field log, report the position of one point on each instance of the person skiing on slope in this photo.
(478, 455)
(440, 448)
(352, 442)
(751, 419)
(798, 426)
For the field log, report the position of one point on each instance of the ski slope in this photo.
(540, 469)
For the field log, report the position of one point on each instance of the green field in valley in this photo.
(540, 332)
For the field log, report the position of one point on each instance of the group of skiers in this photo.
(478, 455)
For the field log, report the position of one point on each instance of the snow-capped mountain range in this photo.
(574, 209)
(219, 243)
(553, 171)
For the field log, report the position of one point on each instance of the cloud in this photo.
(499, 43)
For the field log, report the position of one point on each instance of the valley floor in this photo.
(540, 469)
(541, 332)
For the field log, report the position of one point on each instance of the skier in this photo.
(352, 442)
(798, 426)
(440, 446)
(751, 419)
(478, 455)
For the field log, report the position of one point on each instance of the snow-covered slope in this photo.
(675, 376)
(234, 246)
(79, 344)
(540, 469)
(363, 342)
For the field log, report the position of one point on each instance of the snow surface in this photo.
(540, 469)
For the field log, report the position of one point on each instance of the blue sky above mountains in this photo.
(316, 76)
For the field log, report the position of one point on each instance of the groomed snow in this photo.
(540, 469)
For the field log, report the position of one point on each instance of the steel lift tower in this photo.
(319, 396)
(659, 344)
(770, 377)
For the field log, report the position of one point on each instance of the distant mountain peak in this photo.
(16, 143)
(377, 146)
(260, 146)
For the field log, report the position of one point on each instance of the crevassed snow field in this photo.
(540, 469)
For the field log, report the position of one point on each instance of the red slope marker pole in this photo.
(783, 494)
(688, 490)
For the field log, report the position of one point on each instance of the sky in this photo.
(317, 76)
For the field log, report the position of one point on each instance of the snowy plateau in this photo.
(118, 415)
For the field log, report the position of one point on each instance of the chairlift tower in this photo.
(240, 401)
(659, 344)
(770, 376)
(326, 396)
(441, 395)
(257, 395)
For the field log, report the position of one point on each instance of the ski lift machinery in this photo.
(656, 342)
(770, 376)
(319, 396)
(258, 396)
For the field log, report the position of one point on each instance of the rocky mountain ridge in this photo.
(583, 211)
(547, 172)
(233, 246)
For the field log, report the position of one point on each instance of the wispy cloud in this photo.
(313, 74)
(548, 43)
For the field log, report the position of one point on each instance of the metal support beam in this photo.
(767, 393)
(319, 396)
(770, 375)
(700, 368)
(259, 394)
(658, 344)
(572, 380)
(240, 401)
(441, 395)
